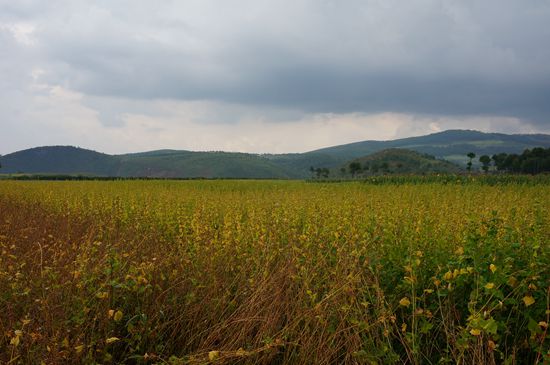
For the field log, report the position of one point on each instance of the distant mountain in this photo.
(400, 161)
(202, 164)
(452, 145)
(59, 160)
(164, 163)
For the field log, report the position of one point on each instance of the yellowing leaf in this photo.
(111, 340)
(493, 268)
(213, 355)
(118, 316)
(489, 285)
(241, 352)
(528, 300)
(79, 348)
(102, 295)
(405, 302)
(15, 341)
(475, 332)
(111, 313)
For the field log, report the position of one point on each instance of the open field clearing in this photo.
(261, 272)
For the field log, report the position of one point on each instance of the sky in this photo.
(267, 76)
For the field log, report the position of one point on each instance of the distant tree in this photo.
(325, 172)
(512, 163)
(533, 161)
(471, 156)
(343, 171)
(385, 167)
(318, 172)
(354, 168)
(312, 171)
(530, 166)
(499, 161)
(485, 162)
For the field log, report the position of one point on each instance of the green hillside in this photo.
(201, 164)
(450, 145)
(398, 161)
(59, 160)
(301, 162)
(164, 164)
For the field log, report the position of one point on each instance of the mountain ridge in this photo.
(451, 145)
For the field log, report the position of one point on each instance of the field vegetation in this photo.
(261, 272)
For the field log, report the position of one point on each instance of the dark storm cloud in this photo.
(425, 57)
(325, 91)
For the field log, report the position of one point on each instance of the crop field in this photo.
(274, 272)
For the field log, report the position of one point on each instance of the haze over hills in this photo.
(452, 145)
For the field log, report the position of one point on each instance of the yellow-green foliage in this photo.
(273, 271)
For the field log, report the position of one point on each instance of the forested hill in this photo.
(59, 160)
(398, 161)
(452, 145)
(165, 164)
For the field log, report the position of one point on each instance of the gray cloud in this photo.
(421, 57)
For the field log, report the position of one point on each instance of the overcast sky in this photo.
(267, 76)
